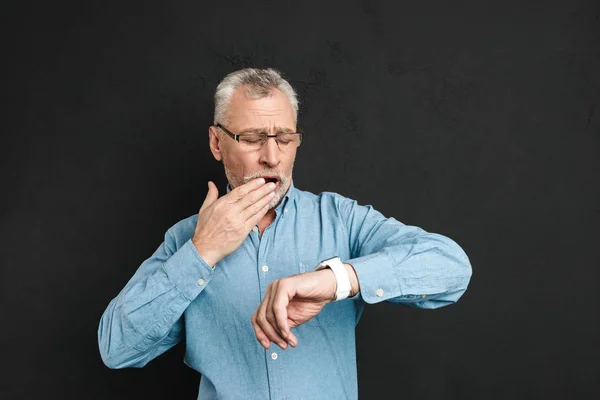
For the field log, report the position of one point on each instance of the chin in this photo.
(275, 202)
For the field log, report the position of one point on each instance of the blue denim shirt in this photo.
(175, 295)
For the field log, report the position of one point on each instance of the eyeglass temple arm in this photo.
(232, 135)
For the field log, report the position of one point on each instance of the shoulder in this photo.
(330, 200)
(310, 197)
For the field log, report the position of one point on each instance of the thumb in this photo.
(211, 196)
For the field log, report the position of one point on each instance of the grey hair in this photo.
(258, 83)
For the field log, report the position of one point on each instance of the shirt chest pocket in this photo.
(333, 312)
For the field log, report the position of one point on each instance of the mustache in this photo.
(279, 175)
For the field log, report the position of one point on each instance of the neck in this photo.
(266, 221)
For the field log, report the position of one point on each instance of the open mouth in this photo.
(273, 179)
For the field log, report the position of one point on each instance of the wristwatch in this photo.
(341, 276)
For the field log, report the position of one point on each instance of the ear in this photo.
(215, 143)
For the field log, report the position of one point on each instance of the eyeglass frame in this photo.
(235, 137)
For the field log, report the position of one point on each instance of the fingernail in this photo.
(265, 344)
(271, 185)
(261, 181)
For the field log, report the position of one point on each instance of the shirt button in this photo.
(379, 292)
(285, 210)
(274, 356)
(255, 229)
(201, 282)
(265, 268)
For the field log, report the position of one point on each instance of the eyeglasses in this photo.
(255, 141)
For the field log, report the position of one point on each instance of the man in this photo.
(267, 282)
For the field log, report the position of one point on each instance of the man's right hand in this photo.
(224, 223)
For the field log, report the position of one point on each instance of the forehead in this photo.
(274, 110)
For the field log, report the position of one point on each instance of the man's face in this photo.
(271, 114)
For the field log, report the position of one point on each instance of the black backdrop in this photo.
(477, 120)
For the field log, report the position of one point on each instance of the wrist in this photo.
(206, 253)
(353, 280)
(343, 287)
(328, 275)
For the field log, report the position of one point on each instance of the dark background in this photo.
(477, 120)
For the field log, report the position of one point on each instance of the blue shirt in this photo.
(175, 295)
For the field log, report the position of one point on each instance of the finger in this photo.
(277, 313)
(271, 333)
(241, 191)
(211, 196)
(265, 325)
(252, 210)
(257, 194)
(260, 334)
(282, 298)
(270, 311)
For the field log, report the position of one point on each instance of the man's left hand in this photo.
(290, 302)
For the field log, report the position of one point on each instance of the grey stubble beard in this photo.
(284, 182)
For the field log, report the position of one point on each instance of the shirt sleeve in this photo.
(146, 318)
(402, 264)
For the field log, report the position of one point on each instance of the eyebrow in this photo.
(278, 129)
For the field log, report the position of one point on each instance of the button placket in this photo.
(262, 268)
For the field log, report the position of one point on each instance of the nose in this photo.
(270, 154)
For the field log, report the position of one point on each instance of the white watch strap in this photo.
(341, 277)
